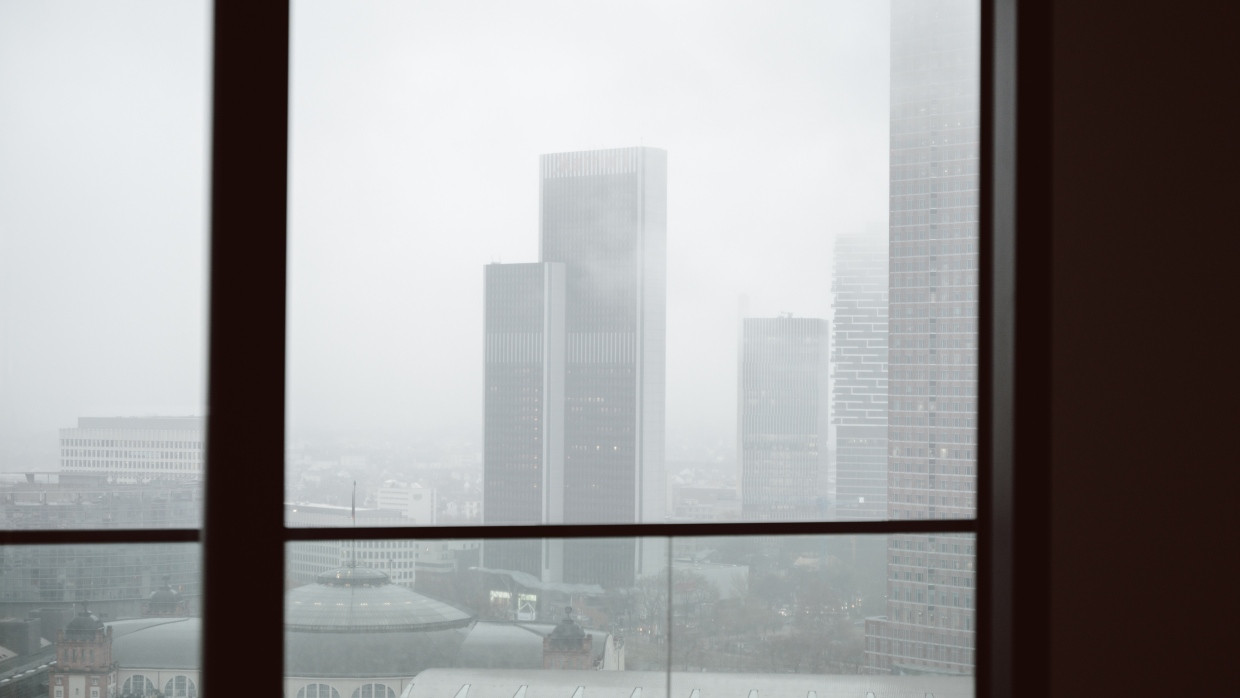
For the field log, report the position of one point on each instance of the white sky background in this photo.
(104, 115)
(416, 131)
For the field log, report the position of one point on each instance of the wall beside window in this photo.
(1144, 255)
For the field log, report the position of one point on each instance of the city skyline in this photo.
(379, 186)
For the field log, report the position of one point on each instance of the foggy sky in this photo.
(415, 135)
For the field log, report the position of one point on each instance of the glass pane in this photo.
(385, 612)
(700, 262)
(780, 615)
(92, 621)
(103, 190)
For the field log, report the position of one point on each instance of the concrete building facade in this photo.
(132, 449)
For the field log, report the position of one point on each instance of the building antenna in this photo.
(353, 518)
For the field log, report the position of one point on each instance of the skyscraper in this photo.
(859, 380)
(932, 401)
(523, 408)
(603, 223)
(604, 215)
(782, 418)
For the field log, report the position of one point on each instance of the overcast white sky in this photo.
(416, 131)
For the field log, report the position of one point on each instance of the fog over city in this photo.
(549, 264)
(415, 136)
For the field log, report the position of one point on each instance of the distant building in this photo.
(44, 501)
(567, 646)
(782, 418)
(84, 666)
(132, 449)
(115, 580)
(305, 561)
(523, 412)
(374, 650)
(588, 323)
(416, 503)
(693, 502)
(165, 602)
(859, 376)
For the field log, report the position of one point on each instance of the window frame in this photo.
(246, 365)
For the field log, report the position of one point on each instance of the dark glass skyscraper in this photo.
(782, 418)
(932, 399)
(603, 227)
(523, 408)
(604, 215)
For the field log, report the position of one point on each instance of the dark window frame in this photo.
(243, 536)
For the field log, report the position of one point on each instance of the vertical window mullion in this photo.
(243, 547)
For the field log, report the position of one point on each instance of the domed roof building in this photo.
(353, 633)
(354, 626)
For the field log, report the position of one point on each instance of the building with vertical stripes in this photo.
(590, 450)
(603, 214)
(782, 419)
(932, 356)
(523, 408)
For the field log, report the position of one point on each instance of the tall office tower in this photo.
(859, 382)
(523, 410)
(782, 419)
(132, 449)
(603, 214)
(932, 401)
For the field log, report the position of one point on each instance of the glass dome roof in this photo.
(358, 599)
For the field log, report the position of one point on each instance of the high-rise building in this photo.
(932, 357)
(132, 449)
(592, 316)
(782, 419)
(523, 410)
(603, 214)
(859, 376)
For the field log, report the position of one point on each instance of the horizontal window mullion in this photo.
(782, 528)
(101, 536)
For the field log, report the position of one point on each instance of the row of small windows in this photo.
(131, 443)
(942, 484)
(944, 114)
(933, 248)
(922, 138)
(922, 264)
(934, 232)
(932, 296)
(935, 310)
(927, 186)
(114, 465)
(141, 455)
(933, 201)
(941, 215)
(959, 167)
